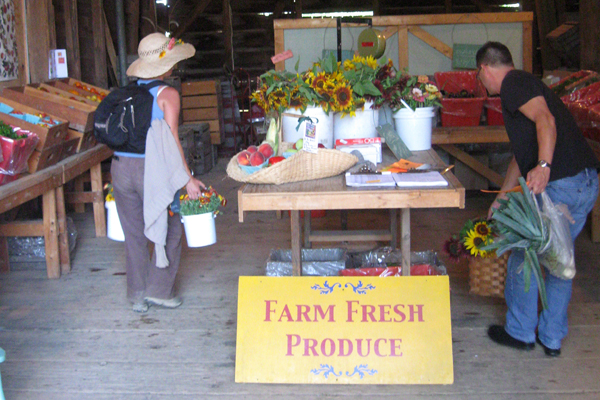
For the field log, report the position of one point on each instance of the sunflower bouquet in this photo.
(474, 235)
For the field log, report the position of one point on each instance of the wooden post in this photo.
(132, 23)
(405, 241)
(63, 233)
(296, 243)
(51, 234)
(99, 213)
(99, 44)
(4, 261)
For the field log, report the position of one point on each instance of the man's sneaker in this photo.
(166, 303)
(140, 307)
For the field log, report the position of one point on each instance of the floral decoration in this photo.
(209, 201)
(474, 235)
(416, 91)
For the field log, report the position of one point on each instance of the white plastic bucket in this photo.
(363, 125)
(114, 230)
(414, 128)
(324, 125)
(200, 229)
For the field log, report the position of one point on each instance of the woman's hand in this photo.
(194, 188)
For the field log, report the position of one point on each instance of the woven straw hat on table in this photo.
(302, 166)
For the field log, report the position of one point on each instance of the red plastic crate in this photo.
(415, 270)
(493, 108)
(581, 94)
(462, 111)
(593, 131)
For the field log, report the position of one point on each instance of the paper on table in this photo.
(421, 179)
(363, 180)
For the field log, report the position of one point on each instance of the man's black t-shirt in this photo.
(572, 153)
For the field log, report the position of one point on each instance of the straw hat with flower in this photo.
(158, 54)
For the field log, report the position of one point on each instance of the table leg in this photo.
(405, 241)
(99, 213)
(307, 221)
(296, 243)
(4, 261)
(63, 233)
(394, 227)
(51, 234)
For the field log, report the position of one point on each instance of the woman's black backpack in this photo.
(123, 118)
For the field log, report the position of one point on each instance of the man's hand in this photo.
(194, 188)
(537, 179)
(496, 204)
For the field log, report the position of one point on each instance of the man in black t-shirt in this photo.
(550, 151)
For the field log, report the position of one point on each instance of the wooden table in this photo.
(333, 194)
(49, 183)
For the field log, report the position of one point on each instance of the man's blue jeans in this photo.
(579, 194)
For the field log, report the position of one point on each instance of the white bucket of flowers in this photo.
(198, 217)
(114, 230)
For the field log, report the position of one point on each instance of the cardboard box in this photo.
(370, 148)
(57, 64)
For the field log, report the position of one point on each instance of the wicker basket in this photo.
(487, 275)
(302, 166)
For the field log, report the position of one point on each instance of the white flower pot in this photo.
(363, 125)
(324, 125)
(414, 128)
(200, 229)
(114, 230)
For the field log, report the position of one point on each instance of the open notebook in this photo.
(407, 179)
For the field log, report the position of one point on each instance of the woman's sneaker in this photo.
(166, 303)
(140, 307)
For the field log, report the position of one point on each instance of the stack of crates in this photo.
(200, 149)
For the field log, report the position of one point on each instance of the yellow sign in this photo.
(365, 330)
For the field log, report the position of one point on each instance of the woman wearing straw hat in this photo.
(146, 283)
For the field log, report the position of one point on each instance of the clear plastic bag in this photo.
(558, 255)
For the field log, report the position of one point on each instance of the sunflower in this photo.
(370, 62)
(318, 81)
(297, 101)
(349, 65)
(473, 242)
(454, 249)
(342, 96)
(483, 230)
(259, 98)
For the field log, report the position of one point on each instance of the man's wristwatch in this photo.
(544, 164)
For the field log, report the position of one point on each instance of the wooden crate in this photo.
(80, 115)
(201, 101)
(73, 90)
(74, 82)
(70, 147)
(49, 136)
(86, 140)
(45, 158)
(64, 92)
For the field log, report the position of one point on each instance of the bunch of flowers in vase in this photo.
(414, 91)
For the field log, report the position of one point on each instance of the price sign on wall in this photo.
(360, 330)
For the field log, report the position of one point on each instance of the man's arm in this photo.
(537, 110)
(510, 181)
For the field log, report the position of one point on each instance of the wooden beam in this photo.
(110, 48)
(72, 38)
(589, 31)
(63, 234)
(279, 48)
(298, 8)
(51, 234)
(200, 7)
(132, 23)
(99, 44)
(147, 19)
(228, 34)
(475, 165)
(431, 40)
(22, 228)
(403, 48)
(38, 40)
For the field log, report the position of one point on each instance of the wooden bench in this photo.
(49, 183)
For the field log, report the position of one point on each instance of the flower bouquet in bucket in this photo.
(198, 217)
(114, 230)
